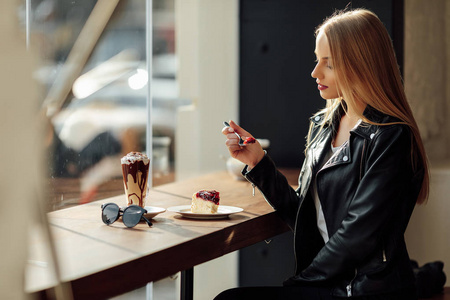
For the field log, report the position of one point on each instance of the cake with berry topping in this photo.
(205, 202)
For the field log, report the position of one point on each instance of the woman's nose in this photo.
(314, 73)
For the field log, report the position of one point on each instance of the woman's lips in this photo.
(321, 87)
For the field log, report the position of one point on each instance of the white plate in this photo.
(152, 211)
(222, 212)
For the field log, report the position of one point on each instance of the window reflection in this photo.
(104, 114)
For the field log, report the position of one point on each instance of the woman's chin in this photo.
(328, 96)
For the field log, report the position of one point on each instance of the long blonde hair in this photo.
(366, 70)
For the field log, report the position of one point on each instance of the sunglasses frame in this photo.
(122, 212)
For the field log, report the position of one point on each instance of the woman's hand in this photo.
(251, 154)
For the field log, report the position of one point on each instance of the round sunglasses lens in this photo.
(132, 215)
(110, 213)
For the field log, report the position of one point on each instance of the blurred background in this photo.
(94, 69)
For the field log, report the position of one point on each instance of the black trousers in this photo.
(303, 292)
(275, 293)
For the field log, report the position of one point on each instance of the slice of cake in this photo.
(205, 202)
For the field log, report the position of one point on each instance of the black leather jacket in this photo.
(367, 190)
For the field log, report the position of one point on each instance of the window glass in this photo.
(93, 72)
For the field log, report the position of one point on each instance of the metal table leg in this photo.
(187, 284)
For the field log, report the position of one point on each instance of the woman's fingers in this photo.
(230, 131)
(250, 154)
(241, 131)
(232, 141)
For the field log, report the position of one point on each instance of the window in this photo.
(96, 90)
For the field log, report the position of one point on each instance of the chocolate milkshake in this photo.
(135, 166)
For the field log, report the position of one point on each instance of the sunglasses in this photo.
(131, 215)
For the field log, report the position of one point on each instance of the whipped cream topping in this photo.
(133, 157)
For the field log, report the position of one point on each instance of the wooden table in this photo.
(102, 261)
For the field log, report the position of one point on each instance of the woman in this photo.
(365, 168)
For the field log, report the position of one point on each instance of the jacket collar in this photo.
(367, 130)
(364, 129)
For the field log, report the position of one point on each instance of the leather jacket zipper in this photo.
(349, 286)
(362, 161)
(295, 238)
(349, 290)
(296, 220)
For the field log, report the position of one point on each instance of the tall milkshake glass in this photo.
(135, 166)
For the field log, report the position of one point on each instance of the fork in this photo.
(241, 141)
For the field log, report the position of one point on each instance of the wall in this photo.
(427, 68)
(206, 47)
(428, 235)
